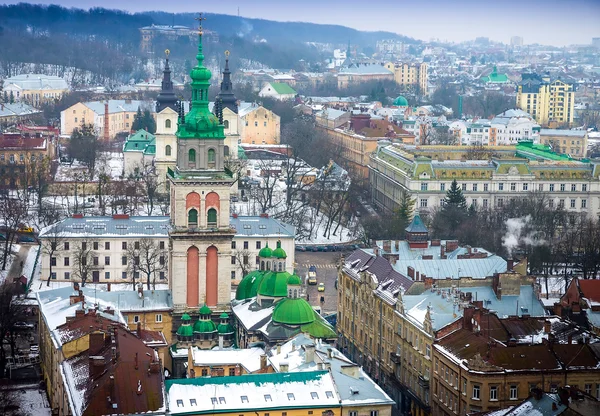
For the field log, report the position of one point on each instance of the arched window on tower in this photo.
(211, 158)
(192, 218)
(226, 124)
(168, 123)
(168, 150)
(212, 217)
(192, 156)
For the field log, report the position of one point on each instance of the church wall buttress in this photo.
(212, 276)
(193, 269)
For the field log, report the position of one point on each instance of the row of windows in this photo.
(96, 260)
(12, 158)
(513, 187)
(67, 275)
(96, 245)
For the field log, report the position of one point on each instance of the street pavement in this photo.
(326, 264)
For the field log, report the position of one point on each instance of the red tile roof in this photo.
(15, 141)
(590, 289)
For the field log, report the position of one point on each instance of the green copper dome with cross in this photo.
(200, 123)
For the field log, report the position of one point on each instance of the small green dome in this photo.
(185, 317)
(294, 280)
(400, 101)
(205, 310)
(319, 329)
(279, 252)
(224, 315)
(205, 327)
(265, 252)
(293, 312)
(248, 287)
(274, 284)
(200, 73)
(224, 328)
(185, 330)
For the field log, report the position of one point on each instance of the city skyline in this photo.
(452, 22)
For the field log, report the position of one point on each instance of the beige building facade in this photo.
(550, 101)
(410, 75)
(257, 125)
(568, 142)
(35, 89)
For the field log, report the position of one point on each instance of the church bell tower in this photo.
(200, 231)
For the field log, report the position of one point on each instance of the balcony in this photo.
(396, 359)
(423, 381)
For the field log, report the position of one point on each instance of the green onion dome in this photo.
(279, 252)
(293, 312)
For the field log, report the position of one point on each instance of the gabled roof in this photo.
(590, 289)
(282, 88)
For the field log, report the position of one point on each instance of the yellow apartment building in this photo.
(410, 75)
(108, 117)
(35, 89)
(257, 125)
(569, 142)
(21, 157)
(550, 101)
(354, 149)
(220, 363)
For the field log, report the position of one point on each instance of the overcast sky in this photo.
(550, 22)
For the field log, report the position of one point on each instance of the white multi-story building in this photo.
(427, 172)
(108, 238)
(506, 129)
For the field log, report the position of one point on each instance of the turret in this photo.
(166, 97)
(226, 94)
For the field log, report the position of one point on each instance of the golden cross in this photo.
(200, 19)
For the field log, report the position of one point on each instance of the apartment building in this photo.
(257, 125)
(410, 75)
(108, 238)
(426, 173)
(21, 156)
(35, 89)
(358, 73)
(549, 100)
(568, 142)
(108, 117)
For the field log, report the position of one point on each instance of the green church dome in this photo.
(400, 101)
(224, 315)
(224, 328)
(265, 252)
(185, 330)
(279, 252)
(185, 317)
(248, 287)
(205, 310)
(294, 280)
(274, 284)
(293, 312)
(200, 74)
(319, 329)
(205, 327)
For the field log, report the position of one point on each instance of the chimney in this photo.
(155, 366)
(411, 272)
(140, 291)
(263, 362)
(278, 349)
(106, 118)
(109, 311)
(319, 366)
(509, 264)
(139, 329)
(108, 286)
(309, 353)
(79, 313)
(547, 327)
(351, 370)
(96, 342)
(329, 352)
(96, 366)
(284, 367)
(570, 339)
(468, 313)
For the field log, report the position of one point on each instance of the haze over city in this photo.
(536, 21)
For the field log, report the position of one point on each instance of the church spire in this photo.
(166, 97)
(226, 94)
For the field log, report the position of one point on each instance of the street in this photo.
(326, 264)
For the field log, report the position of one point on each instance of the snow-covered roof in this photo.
(254, 391)
(250, 315)
(353, 385)
(109, 227)
(261, 227)
(37, 82)
(248, 358)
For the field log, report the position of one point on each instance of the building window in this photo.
(124, 260)
(107, 275)
(232, 259)
(374, 412)
(67, 275)
(525, 186)
(211, 158)
(52, 261)
(476, 392)
(329, 394)
(124, 275)
(464, 186)
(107, 245)
(442, 186)
(474, 187)
(161, 275)
(168, 150)
(562, 187)
(553, 388)
(204, 374)
(423, 203)
(485, 202)
(584, 203)
(493, 393)
(136, 319)
(485, 187)
(291, 396)
(551, 187)
(167, 123)
(232, 372)
(573, 187)
(584, 187)
(541, 187)
(572, 203)
(192, 218)
(66, 246)
(161, 245)
(427, 350)
(96, 261)
(423, 186)
(107, 260)
(233, 245)
(314, 395)
(179, 403)
(501, 186)
(53, 275)
(158, 317)
(561, 203)
(258, 245)
(233, 275)
(245, 259)
(588, 388)
(500, 202)
(95, 245)
(352, 413)
(598, 391)
(192, 156)
(124, 245)
(513, 392)
(245, 245)
(513, 186)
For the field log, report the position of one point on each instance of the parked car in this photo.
(234, 198)
(312, 275)
(25, 229)
(300, 248)
(314, 249)
(332, 248)
(321, 287)
(22, 325)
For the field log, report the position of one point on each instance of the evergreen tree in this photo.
(5, 99)
(137, 120)
(404, 214)
(449, 220)
(11, 98)
(148, 122)
(454, 198)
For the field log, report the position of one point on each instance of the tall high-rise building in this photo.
(549, 100)
(406, 74)
(199, 187)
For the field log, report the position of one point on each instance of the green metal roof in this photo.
(274, 284)
(294, 280)
(204, 326)
(140, 141)
(530, 150)
(400, 101)
(279, 252)
(282, 88)
(224, 315)
(205, 310)
(265, 252)
(224, 329)
(185, 330)
(248, 287)
(416, 225)
(293, 312)
(495, 77)
(320, 328)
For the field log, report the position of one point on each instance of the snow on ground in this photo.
(32, 400)
(111, 163)
(30, 262)
(9, 259)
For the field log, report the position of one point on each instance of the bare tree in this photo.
(51, 246)
(13, 213)
(265, 194)
(236, 166)
(84, 258)
(147, 257)
(243, 260)
(12, 310)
